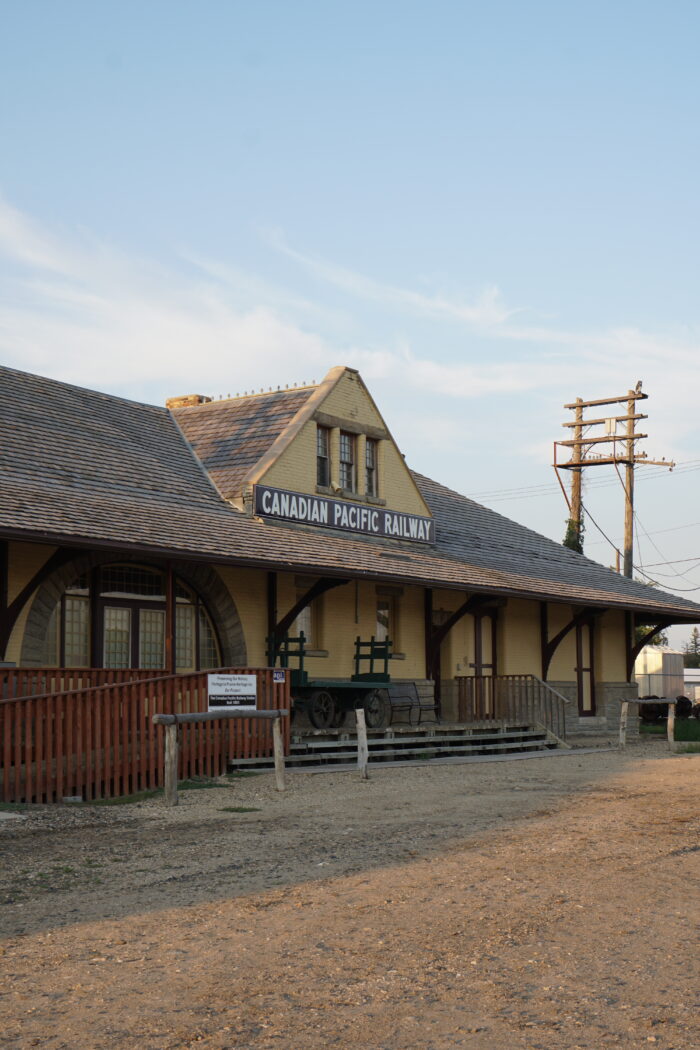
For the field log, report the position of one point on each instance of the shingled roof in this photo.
(229, 437)
(83, 468)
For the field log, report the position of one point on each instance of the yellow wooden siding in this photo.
(611, 646)
(348, 400)
(25, 560)
(248, 588)
(562, 667)
(519, 638)
(13, 653)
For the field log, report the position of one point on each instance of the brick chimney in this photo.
(186, 400)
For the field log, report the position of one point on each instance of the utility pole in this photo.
(623, 452)
(629, 487)
(575, 528)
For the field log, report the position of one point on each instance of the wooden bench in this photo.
(412, 699)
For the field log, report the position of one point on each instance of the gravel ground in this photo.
(547, 903)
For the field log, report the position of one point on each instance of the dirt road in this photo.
(547, 903)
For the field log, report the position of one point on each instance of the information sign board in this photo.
(232, 691)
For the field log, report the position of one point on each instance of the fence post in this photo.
(671, 724)
(171, 749)
(362, 749)
(623, 723)
(278, 752)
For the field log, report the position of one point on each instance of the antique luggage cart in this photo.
(327, 701)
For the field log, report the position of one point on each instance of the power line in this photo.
(638, 568)
(533, 491)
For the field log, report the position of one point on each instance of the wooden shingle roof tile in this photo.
(230, 437)
(84, 468)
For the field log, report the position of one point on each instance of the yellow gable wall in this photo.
(349, 401)
(519, 638)
(611, 657)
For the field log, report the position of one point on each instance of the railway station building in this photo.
(207, 533)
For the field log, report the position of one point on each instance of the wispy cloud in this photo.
(485, 310)
(85, 311)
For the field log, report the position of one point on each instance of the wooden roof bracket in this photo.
(635, 647)
(475, 603)
(326, 583)
(550, 645)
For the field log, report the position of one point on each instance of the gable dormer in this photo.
(326, 441)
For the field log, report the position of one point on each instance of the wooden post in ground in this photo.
(623, 723)
(671, 725)
(278, 749)
(362, 748)
(171, 749)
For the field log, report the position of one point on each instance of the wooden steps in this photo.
(406, 744)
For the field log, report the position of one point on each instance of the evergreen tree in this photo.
(574, 536)
(691, 649)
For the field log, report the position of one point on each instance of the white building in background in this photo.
(691, 683)
(659, 671)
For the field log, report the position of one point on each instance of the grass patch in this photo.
(14, 807)
(686, 729)
(197, 784)
(239, 809)
(238, 774)
(689, 749)
(126, 800)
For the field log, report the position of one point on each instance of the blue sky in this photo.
(487, 209)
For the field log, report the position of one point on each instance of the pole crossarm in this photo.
(601, 422)
(571, 442)
(621, 451)
(635, 395)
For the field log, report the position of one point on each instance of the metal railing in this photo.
(511, 697)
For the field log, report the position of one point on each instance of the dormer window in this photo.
(371, 487)
(347, 461)
(323, 456)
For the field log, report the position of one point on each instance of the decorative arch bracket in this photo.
(550, 645)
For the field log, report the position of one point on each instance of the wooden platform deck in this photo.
(338, 747)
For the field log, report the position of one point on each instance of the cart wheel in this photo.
(340, 716)
(321, 709)
(375, 709)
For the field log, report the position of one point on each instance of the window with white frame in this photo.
(347, 461)
(323, 456)
(371, 484)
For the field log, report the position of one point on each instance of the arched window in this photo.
(128, 619)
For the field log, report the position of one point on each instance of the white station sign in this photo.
(232, 691)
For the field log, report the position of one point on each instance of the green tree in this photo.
(691, 649)
(573, 538)
(659, 639)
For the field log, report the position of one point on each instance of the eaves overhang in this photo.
(530, 589)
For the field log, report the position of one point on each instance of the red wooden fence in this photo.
(38, 681)
(100, 742)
